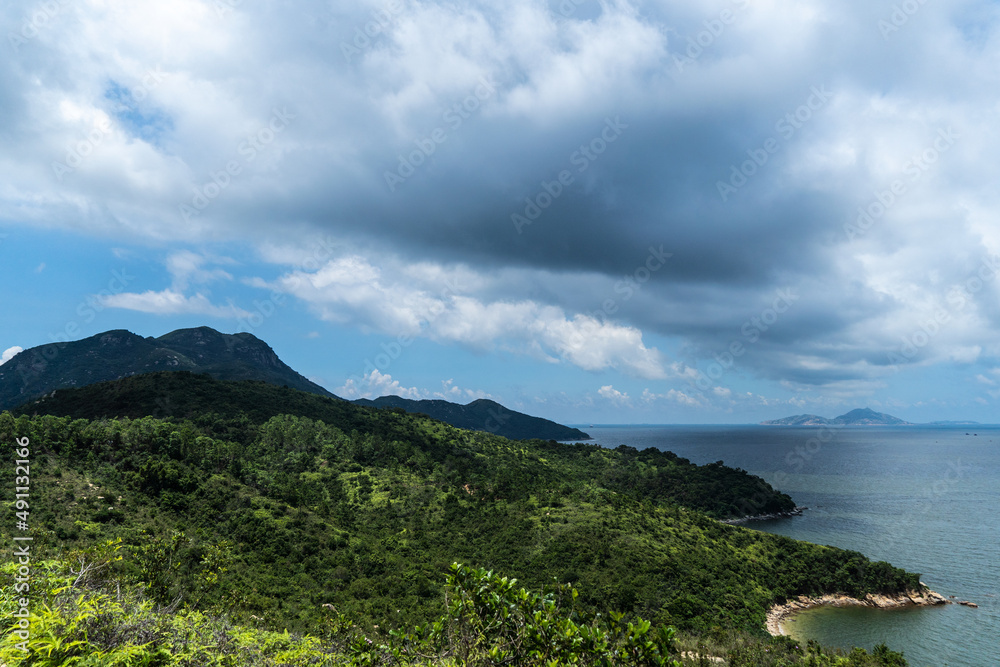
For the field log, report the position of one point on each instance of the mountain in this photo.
(185, 395)
(482, 415)
(858, 417)
(799, 420)
(115, 354)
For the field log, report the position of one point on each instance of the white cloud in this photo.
(10, 353)
(613, 395)
(169, 302)
(187, 267)
(451, 392)
(428, 301)
(374, 385)
(674, 396)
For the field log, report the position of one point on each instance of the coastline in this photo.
(764, 517)
(782, 612)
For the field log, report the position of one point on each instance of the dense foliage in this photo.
(279, 521)
(87, 613)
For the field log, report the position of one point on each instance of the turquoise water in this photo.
(923, 498)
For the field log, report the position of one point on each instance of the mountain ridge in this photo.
(481, 415)
(119, 353)
(115, 355)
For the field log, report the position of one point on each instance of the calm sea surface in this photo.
(923, 498)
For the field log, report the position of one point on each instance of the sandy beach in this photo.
(781, 612)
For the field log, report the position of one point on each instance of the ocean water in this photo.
(923, 498)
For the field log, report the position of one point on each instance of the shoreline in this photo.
(764, 517)
(779, 613)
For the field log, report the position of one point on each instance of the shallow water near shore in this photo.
(923, 498)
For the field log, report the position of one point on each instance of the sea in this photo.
(924, 498)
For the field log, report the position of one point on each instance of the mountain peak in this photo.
(119, 353)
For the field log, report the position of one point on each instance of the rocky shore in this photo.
(781, 612)
(764, 517)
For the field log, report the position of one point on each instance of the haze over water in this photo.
(922, 498)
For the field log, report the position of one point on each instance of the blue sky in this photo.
(645, 212)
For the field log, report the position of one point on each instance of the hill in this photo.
(483, 415)
(271, 521)
(858, 417)
(116, 354)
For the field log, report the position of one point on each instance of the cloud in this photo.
(613, 395)
(10, 353)
(169, 302)
(376, 384)
(675, 396)
(187, 267)
(429, 301)
(845, 203)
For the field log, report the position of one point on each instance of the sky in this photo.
(615, 211)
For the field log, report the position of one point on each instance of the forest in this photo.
(351, 533)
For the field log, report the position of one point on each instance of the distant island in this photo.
(858, 417)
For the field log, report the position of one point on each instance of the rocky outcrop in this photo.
(764, 517)
(780, 612)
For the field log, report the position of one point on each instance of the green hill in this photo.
(483, 415)
(273, 520)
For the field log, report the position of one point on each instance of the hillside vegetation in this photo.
(334, 511)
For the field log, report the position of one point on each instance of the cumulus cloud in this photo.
(10, 353)
(376, 384)
(428, 301)
(610, 393)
